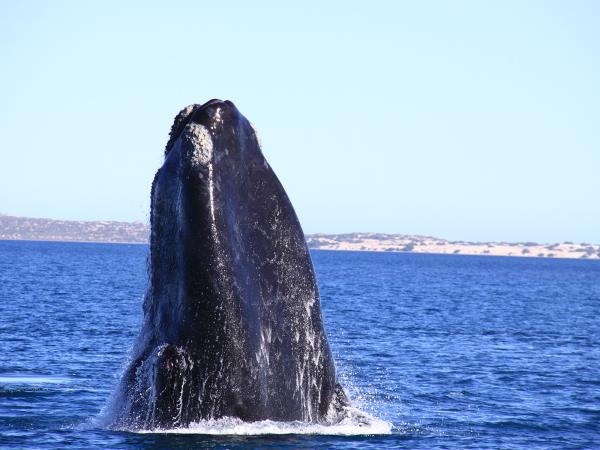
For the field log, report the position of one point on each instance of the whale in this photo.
(232, 323)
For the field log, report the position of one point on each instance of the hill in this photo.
(25, 228)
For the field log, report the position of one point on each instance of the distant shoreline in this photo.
(73, 242)
(14, 228)
(313, 248)
(426, 244)
(455, 254)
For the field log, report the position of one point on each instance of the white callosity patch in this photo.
(185, 112)
(201, 140)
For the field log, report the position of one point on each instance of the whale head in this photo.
(214, 204)
(232, 315)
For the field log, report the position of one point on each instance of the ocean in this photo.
(446, 351)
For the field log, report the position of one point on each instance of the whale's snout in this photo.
(212, 115)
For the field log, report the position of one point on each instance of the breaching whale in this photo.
(232, 316)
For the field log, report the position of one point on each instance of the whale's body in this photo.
(232, 316)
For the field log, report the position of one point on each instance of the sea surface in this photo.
(448, 352)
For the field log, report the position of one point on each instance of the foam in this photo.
(356, 423)
(32, 379)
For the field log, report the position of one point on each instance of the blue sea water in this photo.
(454, 351)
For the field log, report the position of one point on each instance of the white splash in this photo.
(356, 423)
(211, 195)
(28, 378)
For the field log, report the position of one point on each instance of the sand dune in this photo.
(425, 244)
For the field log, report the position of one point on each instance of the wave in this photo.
(31, 379)
(355, 423)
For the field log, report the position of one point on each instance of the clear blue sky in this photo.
(464, 120)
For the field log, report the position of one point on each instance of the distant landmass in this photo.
(25, 228)
(380, 242)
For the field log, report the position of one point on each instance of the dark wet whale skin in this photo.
(232, 316)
